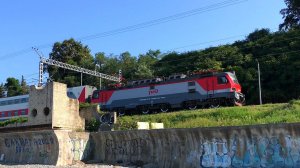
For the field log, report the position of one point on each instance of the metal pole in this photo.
(259, 85)
(81, 79)
(100, 84)
(41, 74)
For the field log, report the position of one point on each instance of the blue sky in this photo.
(36, 23)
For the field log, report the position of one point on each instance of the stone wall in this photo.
(275, 145)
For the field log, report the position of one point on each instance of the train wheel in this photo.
(215, 104)
(191, 105)
(144, 109)
(121, 112)
(164, 108)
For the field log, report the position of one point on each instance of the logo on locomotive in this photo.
(153, 91)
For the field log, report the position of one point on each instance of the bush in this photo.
(92, 125)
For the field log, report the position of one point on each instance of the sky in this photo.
(116, 26)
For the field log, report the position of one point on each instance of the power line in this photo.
(177, 16)
(166, 19)
(179, 59)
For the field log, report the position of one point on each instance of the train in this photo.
(18, 106)
(197, 90)
(179, 91)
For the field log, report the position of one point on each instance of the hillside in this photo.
(226, 116)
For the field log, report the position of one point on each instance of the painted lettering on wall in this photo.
(26, 145)
(124, 147)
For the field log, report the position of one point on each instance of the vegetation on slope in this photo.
(227, 116)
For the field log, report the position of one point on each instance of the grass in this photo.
(13, 121)
(226, 116)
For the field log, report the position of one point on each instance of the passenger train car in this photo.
(17, 106)
(211, 89)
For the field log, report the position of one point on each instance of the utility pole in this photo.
(259, 85)
(97, 65)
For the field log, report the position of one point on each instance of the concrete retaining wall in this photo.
(248, 146)
(43, 147)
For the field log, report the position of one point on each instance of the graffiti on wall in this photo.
(131, 147)
(80, 148)
(27, 145)
(256, 152)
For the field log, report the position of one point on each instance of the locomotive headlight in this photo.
(237, 96)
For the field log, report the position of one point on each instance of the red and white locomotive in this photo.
(17, 106)
(210, 89)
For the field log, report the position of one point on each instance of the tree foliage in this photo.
(291, 15)
(13, 87)
(276, 52)
(74, 53)
(2, 89)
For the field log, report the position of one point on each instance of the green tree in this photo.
(13, 87)
(145, 64)
(2, 89)
(24, 86)
(128, 65)
(74, 53)
(291, 15)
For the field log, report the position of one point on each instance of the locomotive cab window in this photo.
(222, 80)
(95, 95)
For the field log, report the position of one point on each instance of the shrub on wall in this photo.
(92, 125)
(13, 121)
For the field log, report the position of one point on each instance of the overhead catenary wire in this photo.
(231, 60)
(241, 48)
(177, 16)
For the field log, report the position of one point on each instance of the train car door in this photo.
(191, 90)
(210, 85)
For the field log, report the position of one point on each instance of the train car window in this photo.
(9, 114)
(17, 101)
(2, 103)
(16, 113)
(23, 100)
(71, 95)
(148, 81)
(222, 80)
(191, 83)
(177, 77)
(23, 112)
(3, 114)
(141, 82)
(95, 95)
(10, 102)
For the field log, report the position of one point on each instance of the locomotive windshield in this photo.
(233, 77)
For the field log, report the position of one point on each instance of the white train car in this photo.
(18, 106)
(12, 107)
